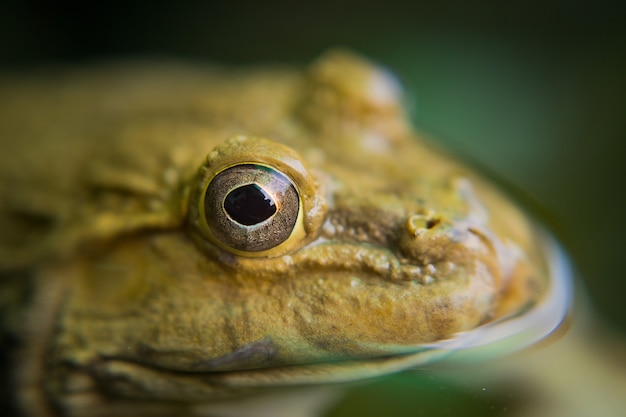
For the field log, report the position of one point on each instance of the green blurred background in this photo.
(533, 91)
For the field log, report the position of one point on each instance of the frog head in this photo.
(329, 242)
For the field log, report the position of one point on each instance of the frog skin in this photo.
(136, 280)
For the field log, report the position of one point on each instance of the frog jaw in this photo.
(490, 340)
(318, 309)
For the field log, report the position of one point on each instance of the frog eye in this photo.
(256, 198)
(251, 208)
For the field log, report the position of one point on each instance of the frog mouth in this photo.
(497, 338)
(133, 380)
(234, 373)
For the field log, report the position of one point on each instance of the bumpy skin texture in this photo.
(133, 305)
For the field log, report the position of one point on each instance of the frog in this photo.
(178, 235)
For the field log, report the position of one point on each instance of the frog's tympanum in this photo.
(175, 235)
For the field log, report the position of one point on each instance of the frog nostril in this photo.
(419, 223)
(432, 238)
(430, 223)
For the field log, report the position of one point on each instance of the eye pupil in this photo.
(249, 205)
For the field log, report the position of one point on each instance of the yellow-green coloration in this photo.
(398, 255)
